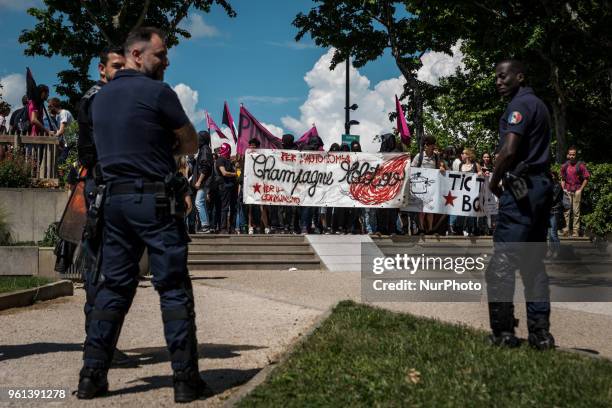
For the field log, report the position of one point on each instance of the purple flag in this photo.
(402, 126)
(229, 121)
(250, 128)
(213, 126)
(306, 136)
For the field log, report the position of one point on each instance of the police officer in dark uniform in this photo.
(139, 125)
(111, 60)
(522, 182)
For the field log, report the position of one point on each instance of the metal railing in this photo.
(40, 152)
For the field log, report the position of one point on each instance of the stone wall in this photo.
(31, 210)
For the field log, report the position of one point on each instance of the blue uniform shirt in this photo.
(134, 117)
(528, 117)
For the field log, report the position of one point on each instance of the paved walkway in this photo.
(238, 334)
(245, 319)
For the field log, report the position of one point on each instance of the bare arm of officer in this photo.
(505, 158)
(187, 140)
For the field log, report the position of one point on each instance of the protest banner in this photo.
(320, 179)
(451, 192)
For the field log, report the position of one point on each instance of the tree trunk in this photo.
(560, 128)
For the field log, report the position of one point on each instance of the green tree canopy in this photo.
(565, 45)
(79, 30)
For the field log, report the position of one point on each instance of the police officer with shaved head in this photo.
(521, 180)
(139, 125)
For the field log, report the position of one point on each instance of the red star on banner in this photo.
(256, 188)
(450, 199)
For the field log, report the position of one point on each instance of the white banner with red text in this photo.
(320, 179)
(344, 179)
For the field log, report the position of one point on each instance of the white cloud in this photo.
(18, 4)
(198, 28)
(13, 89)
(189, 100)
(437, 65)
(325, 104)
(275, 130)
(270, 100)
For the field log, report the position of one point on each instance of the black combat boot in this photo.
(501, 316)
(505, 339)
(189, 386)
(92, 383)
(539, 334)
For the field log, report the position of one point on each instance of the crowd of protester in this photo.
(216, 177)
(34, 119)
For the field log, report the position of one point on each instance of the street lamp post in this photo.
(348, 108)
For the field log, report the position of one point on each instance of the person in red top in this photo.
(574, 177)
(35, 112)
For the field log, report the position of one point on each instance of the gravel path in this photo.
(238, 334)
(245, 320)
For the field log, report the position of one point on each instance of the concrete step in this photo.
(238, 264)
(217, 238)
(251, 256)
(248, 247)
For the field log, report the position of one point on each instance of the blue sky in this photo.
(252, 58)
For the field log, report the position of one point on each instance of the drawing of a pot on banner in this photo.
(421, 190)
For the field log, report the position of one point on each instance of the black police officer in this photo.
(111, 60)
(522, 167)
(138, 125)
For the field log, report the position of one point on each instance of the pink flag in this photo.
(229, 121)
(306, 136)
(213, 126)
(250, 128)
(402, 126)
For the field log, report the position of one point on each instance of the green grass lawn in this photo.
(13, 283)
(364, 356)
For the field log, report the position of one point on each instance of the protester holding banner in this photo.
(356, 216)
(288, 214)
(386, 218)
(469, 165)
(253, 211)
(428, 159)
(308, 214)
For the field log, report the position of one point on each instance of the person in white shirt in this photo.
(63, 118)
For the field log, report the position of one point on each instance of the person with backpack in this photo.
(574, 177)
(19, 122)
